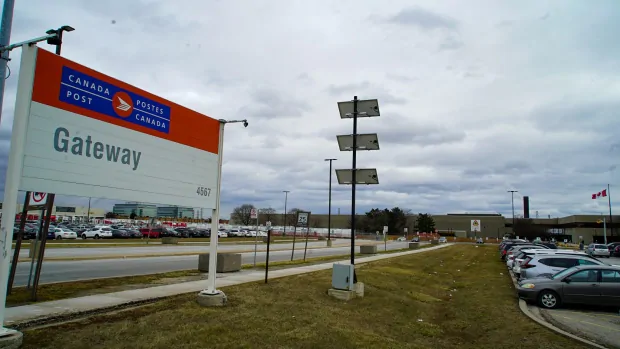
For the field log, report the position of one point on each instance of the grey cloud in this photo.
(401, 78)
(365, 90)
(267, 103)
(423, 19)
(450, 43)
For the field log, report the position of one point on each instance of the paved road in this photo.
(602, 327)
(129, 251)
(57, 271)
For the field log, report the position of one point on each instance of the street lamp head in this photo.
(245, 123)
(331, 159)
(67, 28)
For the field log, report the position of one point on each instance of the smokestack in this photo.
(526, 207)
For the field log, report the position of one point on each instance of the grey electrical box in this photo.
(340, 276)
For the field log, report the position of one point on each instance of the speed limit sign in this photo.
(37, 197)
(302, 218)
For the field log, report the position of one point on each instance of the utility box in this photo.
(340, 276)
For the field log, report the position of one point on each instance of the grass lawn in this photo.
(459, 297)
(63, 290)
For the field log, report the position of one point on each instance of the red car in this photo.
(156, 232)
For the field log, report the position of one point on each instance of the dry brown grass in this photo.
(451, 298)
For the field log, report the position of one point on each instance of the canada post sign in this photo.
(85, 91)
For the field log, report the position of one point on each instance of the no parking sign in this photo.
(37, 197)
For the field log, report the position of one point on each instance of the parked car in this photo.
(415, 239)
(480, 241)
(64, 233)
(612, 247)
(616, 251)
(550, 264)
(98, 232)
(443, 240)
(597, 250)
(583, 284)
(120, 234)
(525, 253)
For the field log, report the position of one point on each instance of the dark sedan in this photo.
(583, 284)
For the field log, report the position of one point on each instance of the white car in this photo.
(98, 232)
(549, 264)
(525, 253)
(598, 250)
(443, 240)
(222, 234)
(64, 233)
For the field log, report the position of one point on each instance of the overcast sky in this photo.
(476, 97)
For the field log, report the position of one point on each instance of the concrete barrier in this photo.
(414, 245)
(169, 240)
(32, 250)
(368, 249)
(434, 242)
(226, 262)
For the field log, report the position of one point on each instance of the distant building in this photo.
(140, 209)
(175, 211)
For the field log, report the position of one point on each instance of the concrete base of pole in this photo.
(217, 299)
(12, 340)
(329, 243)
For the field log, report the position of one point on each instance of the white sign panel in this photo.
(475, 225)
(268, 224)
(37, 198)
(302, 218)
(253, 214)
(385, 229)
(90, 135)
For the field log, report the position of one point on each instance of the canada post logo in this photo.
(84, 91)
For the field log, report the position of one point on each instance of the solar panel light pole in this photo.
(329, 214)
(353, 110)
(212, 296)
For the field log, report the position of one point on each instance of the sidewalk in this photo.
(76, 306)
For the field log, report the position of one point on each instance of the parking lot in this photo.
(601, 326)
(584, 307)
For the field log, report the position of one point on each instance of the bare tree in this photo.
(268, 214)
(242, 214)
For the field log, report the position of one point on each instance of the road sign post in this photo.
(254, 215)
(307, 233)
(301, 221)
(268, 224)
(385, 231)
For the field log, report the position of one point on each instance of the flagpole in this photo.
(611, 226)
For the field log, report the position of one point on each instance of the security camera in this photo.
(245, 123)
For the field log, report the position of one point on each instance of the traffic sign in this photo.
(253, 214)
(37, 197)
(385, 229)
(268, 223)
(302, 218)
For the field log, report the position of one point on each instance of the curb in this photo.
(525, 310)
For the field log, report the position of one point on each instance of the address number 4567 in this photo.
(202, 191)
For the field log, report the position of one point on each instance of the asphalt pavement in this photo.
(62, 271)
(141, 250)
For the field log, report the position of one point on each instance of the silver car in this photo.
(597, 250)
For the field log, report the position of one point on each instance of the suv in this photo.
(541, 265)
(98, 232)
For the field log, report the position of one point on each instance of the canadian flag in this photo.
(600, 194)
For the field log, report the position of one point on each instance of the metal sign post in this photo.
(301, 221)
(254, 215)
(385, 230)
(307, 233)
(268, 224)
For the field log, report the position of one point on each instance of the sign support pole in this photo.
(294, 235)
(46, 224)
(267, 259)
(256, 239)
(215, 221)
(14, 169)
(306, 247)
(18, 243)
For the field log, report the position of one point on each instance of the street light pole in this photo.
(329, 214)
(512, 195)
(285, 213)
